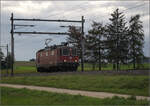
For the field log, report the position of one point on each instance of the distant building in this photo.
(32, 59)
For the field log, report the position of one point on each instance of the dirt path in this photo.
(73, 92)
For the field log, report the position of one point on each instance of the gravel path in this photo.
(73, 92)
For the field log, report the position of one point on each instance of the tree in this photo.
(94, 43)
(1, 55)
(32, 59)
(8, 60)
(2, 62)
(75, 37)
(136, 39)
(117, 39)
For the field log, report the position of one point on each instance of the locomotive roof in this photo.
(52, 47)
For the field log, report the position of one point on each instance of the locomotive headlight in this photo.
(64, 60)
(76, 61)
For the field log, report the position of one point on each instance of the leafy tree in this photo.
(136, 39)
(2, 62)
(32, 59)
(94, 43)
(1, 55)
(8, 60)
(117, 39)
(75, 37)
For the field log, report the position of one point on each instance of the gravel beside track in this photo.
(113, 72)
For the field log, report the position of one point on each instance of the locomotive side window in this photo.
(74, 52)
(41, 54)
(46, 53)
(65, 51)
(52, 53)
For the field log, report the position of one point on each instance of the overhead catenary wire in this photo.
(58, 13)
(85, 13)
(137, 6)
(134, 7)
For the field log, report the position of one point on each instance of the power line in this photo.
(134, 7)
(80, 5)
(123, 10)
(51, 15)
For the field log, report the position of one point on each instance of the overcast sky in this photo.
(27, 45)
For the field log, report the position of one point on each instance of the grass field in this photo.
(29, 67)
(13, 96)
(89, 67)
(22, 67)
(25, 63)
(133, 85)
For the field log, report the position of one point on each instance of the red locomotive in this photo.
(57, 58)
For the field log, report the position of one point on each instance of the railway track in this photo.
(124, 72)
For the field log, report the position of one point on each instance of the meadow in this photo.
(30, 67)
(123, 84)
(22, 67)
(13, 96)
(89, 67)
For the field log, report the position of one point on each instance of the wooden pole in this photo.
(99, 54)
(7, 59)
(82, 45)
(12, 44)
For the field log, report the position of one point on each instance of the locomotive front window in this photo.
(66, 51)
(74, 52)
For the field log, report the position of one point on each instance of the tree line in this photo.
(117, 42)
(5, 62)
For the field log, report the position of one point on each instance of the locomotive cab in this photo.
(68, 58)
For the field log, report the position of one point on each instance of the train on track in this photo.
(57, 58)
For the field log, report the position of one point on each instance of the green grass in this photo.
(25, 69)
(13, 96)
(89, 67)
(22, 67)
(133, 85)
(29, 67)
(25, 63)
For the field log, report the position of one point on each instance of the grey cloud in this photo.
(26, 47)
